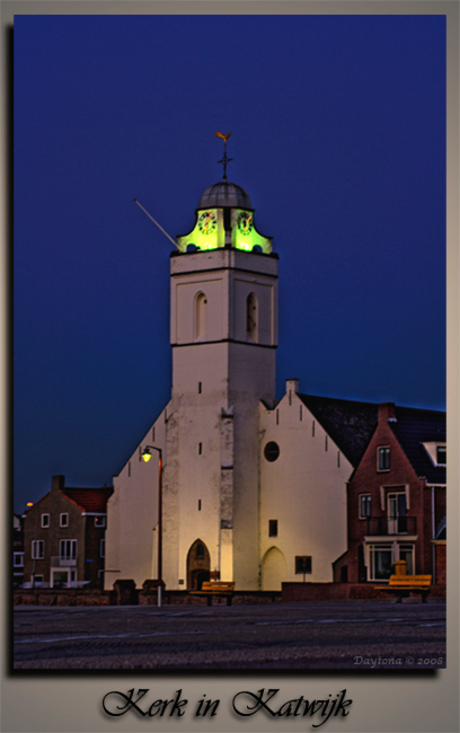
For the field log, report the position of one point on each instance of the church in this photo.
(241, 487)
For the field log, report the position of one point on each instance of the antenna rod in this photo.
(155, 222)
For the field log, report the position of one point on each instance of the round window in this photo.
(271, 451)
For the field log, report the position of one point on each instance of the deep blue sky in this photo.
(338, 135)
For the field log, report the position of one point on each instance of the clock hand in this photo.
(247, 223)
(206, 222)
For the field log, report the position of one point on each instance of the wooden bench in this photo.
(219, 588)
(403, 585)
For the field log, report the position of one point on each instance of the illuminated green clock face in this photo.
(207, 222)
(245, 222)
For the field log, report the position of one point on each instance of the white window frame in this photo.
(102, 548)
(38, 549)
(64, 519)
(70, 550)
(375, 547)
(360, 497)
(19, 555)
(99, 521)
(43, 525)
(379, 450)
(392, 501)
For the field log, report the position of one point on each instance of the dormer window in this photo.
(436, 453)
(441, 455)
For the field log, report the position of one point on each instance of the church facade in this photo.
(252, 491)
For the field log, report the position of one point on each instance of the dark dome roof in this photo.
(225, 193)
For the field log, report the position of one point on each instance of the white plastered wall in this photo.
(304, 490)
(132, 514)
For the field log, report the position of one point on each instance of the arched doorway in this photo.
(273, 569)
(198, 565)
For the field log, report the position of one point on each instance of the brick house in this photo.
(396, 498)
(64, 537)
(18, 550)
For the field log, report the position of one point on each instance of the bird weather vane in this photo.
(225, 160)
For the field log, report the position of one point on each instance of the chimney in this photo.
(57, 483)
(387, 412)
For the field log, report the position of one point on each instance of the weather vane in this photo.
(225, 159)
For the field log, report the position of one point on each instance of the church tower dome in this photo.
(225, 194)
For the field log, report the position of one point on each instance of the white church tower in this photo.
(224, 338)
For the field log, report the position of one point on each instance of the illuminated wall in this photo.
(209, 232)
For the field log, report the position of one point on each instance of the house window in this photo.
(271, 451)
(381, 561)
(200, 448)
(102, 548)
(199, 551)
(18, 559)
(64, 520)
(199, 505)
(99, 521)
(383, 460)
(338, 459)
(277, 417)
(273, 528)
(313, 429)
(302, 564)
(441, 455)
(325, 442)
(38, 549)
(365, 506)
(45, 520)
(199, 387)
(68, 549)
(300, 412)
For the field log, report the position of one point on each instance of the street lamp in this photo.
(146, 455)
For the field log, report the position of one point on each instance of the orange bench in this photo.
(219, 588)
(403, 585)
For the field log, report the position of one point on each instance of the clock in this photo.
(245, 222)
(207, 222)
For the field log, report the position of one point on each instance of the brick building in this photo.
(64, 537)
(18, 550)
(396, 498)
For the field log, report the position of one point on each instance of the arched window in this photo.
(200, 316)
(252, 317)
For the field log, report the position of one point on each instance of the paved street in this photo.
(333, 635)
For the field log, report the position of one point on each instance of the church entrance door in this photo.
(198, 565)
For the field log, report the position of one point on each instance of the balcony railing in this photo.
(63, 562)
(386, 526)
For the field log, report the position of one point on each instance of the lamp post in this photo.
(34, 544)
(146, 455)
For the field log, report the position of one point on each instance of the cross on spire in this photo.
(225, 160)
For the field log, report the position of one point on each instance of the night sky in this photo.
(338, 136)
